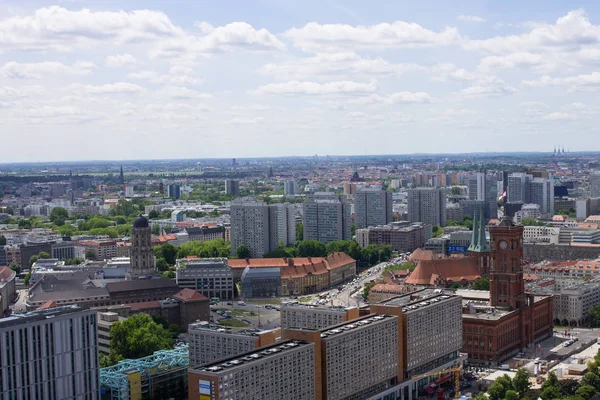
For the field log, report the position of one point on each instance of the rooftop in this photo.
(305, 306)
(210, 327)
(354, 324)
(39, 315)
(263, 352)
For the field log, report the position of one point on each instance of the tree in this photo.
(168, 252)
(27, 278)
(33, 259)
(89, 254)
(168, 274)
(568, 387)
(455, 285)
(585, 391)
(299, 231)
(497, 391)
(161, 264)
(550, 388)
(2, 240)
(511, 395)
(311, 248)
(136, 337)
(437, 231)
(521, 380)
(15, 267)
(58, 215)
(44, 256)
(528, 221)
(594, 313)
(591, 379)
(153, 214)
(242, 251)
(481, 284)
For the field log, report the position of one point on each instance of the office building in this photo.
(99, 249)
(261, 227)
(402, 239)
(484, 188)
(349, 188)
(327, 217)
(105, 321)
(372, 208)
(572, 303)
(143, 262)
(129, 191)
(595, 185)
(427, 205)
(307, 316)
(280, 371)
(261, 282)
(205, 233)
(290, 187)
(232, 187)
(174, 191)
(50, 354)
(210, 342)
(3, 256)
(524, 188)
(454, 212)
(210, 276)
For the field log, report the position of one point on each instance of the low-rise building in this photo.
(541, 234)
(403, 239)
(261, 282)
(210, 276)
(572, 303)
(381, 292)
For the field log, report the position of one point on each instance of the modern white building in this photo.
(541, 234)
(528, 211)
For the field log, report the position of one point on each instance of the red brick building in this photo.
(506, 320)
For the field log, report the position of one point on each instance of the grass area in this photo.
(409, 265)
(305, 299)
(234, 323)
(265, 301)
(235, 312)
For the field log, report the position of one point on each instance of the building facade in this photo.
(50, 354)
(427, 205)
(232, 187)
(142, 253)
(297, 315)
(210, 276)
(372, 208)
(402, 239)
(327, 217)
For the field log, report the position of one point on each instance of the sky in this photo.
(123, 80)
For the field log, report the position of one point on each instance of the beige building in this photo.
(297, 315)
(105, 322)
(383, 291)
(282, 371)
(209, 343)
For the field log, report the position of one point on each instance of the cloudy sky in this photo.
(192, 79)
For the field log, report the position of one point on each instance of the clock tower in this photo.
(507, 288)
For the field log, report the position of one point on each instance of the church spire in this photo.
(475, 234)
(484, 247)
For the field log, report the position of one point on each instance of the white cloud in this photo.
(315, 37)
(109, 88)
(336, 64)
(557, 116)
(178, 75)
(11, 93)
(314, 88)
(38, 70)
(408, 97)
(584, 82)
(245, 121)
(489, 87)
(183, 93)
(450, 72)
(470, 18)
(121, 60)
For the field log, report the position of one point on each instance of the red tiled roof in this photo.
(451, 269)
(6, 274)
(259, 262)
(382, 287)
(337, 260)
(188, 295)
(530, 277)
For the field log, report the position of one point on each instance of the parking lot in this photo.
(263, 316)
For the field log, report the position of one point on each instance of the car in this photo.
(229, 303)
(246, 321)
(268, 307)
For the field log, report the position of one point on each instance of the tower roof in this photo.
(479, 243)
(140, 222)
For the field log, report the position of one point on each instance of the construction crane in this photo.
(442, 372)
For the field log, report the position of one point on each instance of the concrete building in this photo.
(595, 185)
(454, 212)
(143, 263)
(484, 188)
(298, 315)
(540, 234)
(100, 249)
(382, 291)
(572, 304)
(260, 227)
(290, 187)
(427, 205)
(560, 252)
(62, 250)
(528, 211)
(327, 217)
(349, 188)
(210, 276)
(232, 187)
(129, 191)
(50, 354)
(280, 371)
(3, 256)
(372, 208)
(209, 343)
(174, 191)
(402, 239)
(524, 188)
(105, 322)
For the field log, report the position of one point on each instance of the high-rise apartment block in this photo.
(210, 276)
(209, 343)
(524, 188)
(174, 191)
(260, 226)
(232, 187)
(595, 185)
(327, 217)
(372, 208)
(50, 354)
(297, 315)
(427, 205)
(484, 188)
(290, 187)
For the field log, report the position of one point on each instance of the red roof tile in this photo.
(144, 305)
(188, 295)
(47, 305)
(451, 269)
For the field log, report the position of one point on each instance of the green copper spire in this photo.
(475, 234)
(483, 244)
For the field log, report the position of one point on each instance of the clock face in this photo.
(503, 245)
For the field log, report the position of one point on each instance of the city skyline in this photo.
(109, 80)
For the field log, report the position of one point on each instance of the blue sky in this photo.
(193, 79)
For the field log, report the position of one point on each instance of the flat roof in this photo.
(419, 299)
(210, 327)
(473, 294)
(483, 310)
(245, 358)
(320, 307)
(353, 324)
(37, 315)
